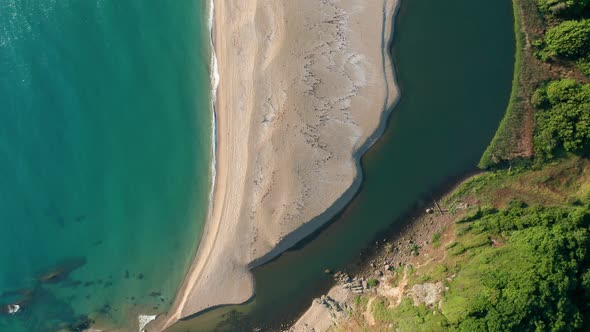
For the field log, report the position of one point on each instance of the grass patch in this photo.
(462, 229)
(554, 183)
(361, 301)
(407, 317)
(436, 240)
(455, 249)
(429, 273)
(372, 282)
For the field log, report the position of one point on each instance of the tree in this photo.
(563, 119)
(563, 7)
(569, 39)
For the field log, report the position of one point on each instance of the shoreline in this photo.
(162, 322)
(214, 76)
(234, 275)
(390, 251)
(404, 226)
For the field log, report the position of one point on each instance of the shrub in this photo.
(583, 65)
(563, 119)
(372, 282)
(569, 39)
(563, 7)
(539, 99)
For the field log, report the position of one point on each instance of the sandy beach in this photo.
(303, 91)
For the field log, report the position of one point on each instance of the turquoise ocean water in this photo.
(105, 156)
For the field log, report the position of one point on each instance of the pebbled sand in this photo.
(304, 87)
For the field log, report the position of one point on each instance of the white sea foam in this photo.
(214, 76)
(13, 308)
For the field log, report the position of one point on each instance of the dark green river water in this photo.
(454, 61)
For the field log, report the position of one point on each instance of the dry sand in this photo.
(304, 88)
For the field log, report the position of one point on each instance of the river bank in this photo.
(412, 245)
(421, 278)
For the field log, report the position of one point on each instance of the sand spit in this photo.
(304, 87)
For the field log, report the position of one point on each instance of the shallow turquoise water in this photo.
(105, 155)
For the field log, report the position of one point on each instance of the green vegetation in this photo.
(563, 7)
(569, 39)
(519, 261)
(562, 106)
(414, 248)
(407, 317)
(537, 281)
(583, 65)
(532, 128)
(436, 240)
(563, 119)
(501, 146)
(372, 282)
